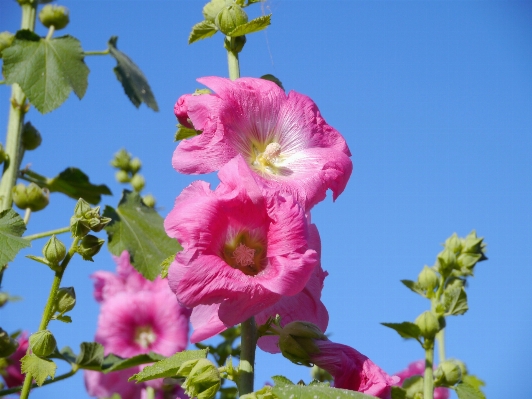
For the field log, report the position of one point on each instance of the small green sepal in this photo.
(90, 245)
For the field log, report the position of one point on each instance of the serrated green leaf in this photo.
(168, 367)
(202, 30)
(90, 356)
(412, 285)
(133, 80)
(273, 79)
(185, 133)
(165, 265)
(312, 392)
(115, 363)
(11, 229)
(405, 329)
(466, 391)
(281, 380)
(38, 368)
(473, 380)
(139, 230)
(455, 301)
(47, 70)
(252, 26)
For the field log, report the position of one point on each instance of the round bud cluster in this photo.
(32, 196)
(86, 219)
(128, 169)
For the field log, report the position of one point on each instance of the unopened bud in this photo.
(229, 18)
(135, 165)
(149, 200)
(446, 261)
(427, 278)
(428, 324)
(6, 40)
(42, 343)
(65, 300)
(32, 197)
(453, 243)
(448, 374)
(31, 138)
(54, 251)
(79, 227)
(122, 176)
(82, 208)
(8, 345)
(202, 378)
(212, 8)
(297, 341)
(138, 182)
(90, 245)
(55, 15)
(121, 160)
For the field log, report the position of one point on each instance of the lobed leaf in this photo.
(38, 368)
(11, 229)
(405, 329)
(133, 80)
(115, 363)
(281, 380)
(202, 30)
(312, 392)
(252, 26)
(139, 229)
(90, 356)
(168, 367)
(466, 391)
(47, 70)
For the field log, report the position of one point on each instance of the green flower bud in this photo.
(90, 245)
(236, 44)
(202, 378)
(428, 324)
(121, 160)
(138, 182)
(82, 208)
(448, 374)
(446, 262)
(42, 343)
(6, 40)
(149, 200)
(32, 197)
(427, 279)
(297, 341)
(135, 165)
(3, 155)
(31, 138)
(65, 300)
(79, 227)
(229, 18)
(122, 176)
(467, 261)
(97, 224)
(212, 8)
(453, 243)
(473, 244)
(320, 374)
(54, 251)
(8, 345)
(55, 15)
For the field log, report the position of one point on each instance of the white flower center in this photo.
(144, 336)
(267, 160)
(243, 255)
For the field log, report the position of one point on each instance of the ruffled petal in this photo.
(205, 322)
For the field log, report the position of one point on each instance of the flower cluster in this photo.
(137, 316)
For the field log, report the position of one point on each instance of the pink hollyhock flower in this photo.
(418, 368)
(12, 375)
(283, 138)
(242, 252)
(352, 370)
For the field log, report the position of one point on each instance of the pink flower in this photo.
(12, 375)
(283, 138)
(242, 252)
(136, 317)
(418, 368)
(352, 370)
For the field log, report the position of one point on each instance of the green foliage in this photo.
(414, 286)
(473, 380)
(11, 229)
(398, 393)
(312, 392)
(133, 80)
(455, 301)
(115, 363)
(139, 230)
(202, 30)
(255, 25)
(38, 368)
(406, 329)
(273, 79)
(281, 380)
(165, 265)
(90, 356)
(168, 367)
(185, 133)
(47, 70)
(467, 391)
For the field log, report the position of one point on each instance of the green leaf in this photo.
(133, 80)
(63, 318)
(473, 380)
(38, 368)
(414, 286)
(398, 393)
(455, 301)
(39, 259)
(312, 392)
(252, 26)
(11, 229)
(91, 356)
(281, 380)
(47, 70)
(168, 367)
(139, 230)
(115, 363)
(273, 79)
(165, 265)
(405, 329)
(202, 30)
(185, 133)
(67, 354)
(466, 391)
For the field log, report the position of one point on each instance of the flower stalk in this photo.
(47, 233)
(245, 378)
(232, 60)
(428, 378)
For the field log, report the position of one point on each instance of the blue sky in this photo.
(435, 102)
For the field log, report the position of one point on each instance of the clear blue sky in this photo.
(435, 102)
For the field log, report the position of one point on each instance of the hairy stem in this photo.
(441, 345)
(47, 233)
(248, 344)
(232, 61)
(428, 378)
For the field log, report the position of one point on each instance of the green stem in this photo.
(248, 344)
(232, 61)
(103, 52)
(441, 345)
(47, 382)
(150, 393)
(50, 33)
(49, 307)
(47, 233)
(27, 215)
(428, 378)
